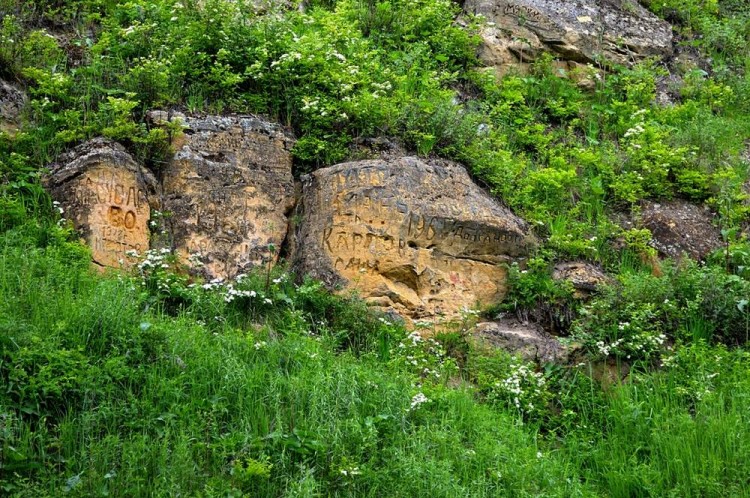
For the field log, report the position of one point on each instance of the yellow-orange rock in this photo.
(410, 235)
(107, 196)
(227, 193)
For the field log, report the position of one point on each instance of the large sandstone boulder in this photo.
(108, 196)
(12, 101)
(227, 193)
(580, 31)
(414, 236)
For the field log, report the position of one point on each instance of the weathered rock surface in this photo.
(11, 103)
(584, 277)
(159, 117)
(581, 31)
(228, 191)
(108, 196)
(680, 228)
(745, 154)
(523, 339)
(414, 236)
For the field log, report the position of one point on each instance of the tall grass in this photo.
(102, 397)
(667, 434)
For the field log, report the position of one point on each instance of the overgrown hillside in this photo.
(153, 382)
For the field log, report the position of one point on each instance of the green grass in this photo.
(664, 435)
(104, 397)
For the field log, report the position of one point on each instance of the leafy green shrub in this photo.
(246, 472)
(44, 382)
(650, 162)
(645, 312)
(636, 335)
(347, 320)
(10, 43)
(534, 293)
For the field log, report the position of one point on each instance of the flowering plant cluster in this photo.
(157, 272)
(164, 280)
(245, 293)
(635, 333)
(522, 388)
(651, 164)
(424, 357)
(697, 370)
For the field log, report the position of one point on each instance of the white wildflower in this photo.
(417, 400)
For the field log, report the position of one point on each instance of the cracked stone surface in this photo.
(414, 236)
(12, 101)
(580, 31)
(227, 192)
(680, 228)
(523, 339)
(108, 196)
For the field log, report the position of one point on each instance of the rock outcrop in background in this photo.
(411, 235)
(108, 196)
(526, 340)
(227, 193)
(12, 101)
(414, 236)
(581, 31)
(679, 228)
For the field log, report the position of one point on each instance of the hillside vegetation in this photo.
(153, 383)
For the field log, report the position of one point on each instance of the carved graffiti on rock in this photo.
(228, 189)
(523, 12)
(117, 214)
(413, 236)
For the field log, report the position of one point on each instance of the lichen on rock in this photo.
(679, 228)
(615, 31)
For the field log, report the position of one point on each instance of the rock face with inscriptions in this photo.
(410, 235)
(108, 196)
(580, 31)
(227, 193)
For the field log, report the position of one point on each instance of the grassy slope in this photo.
(104, 397)
(93, 393)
